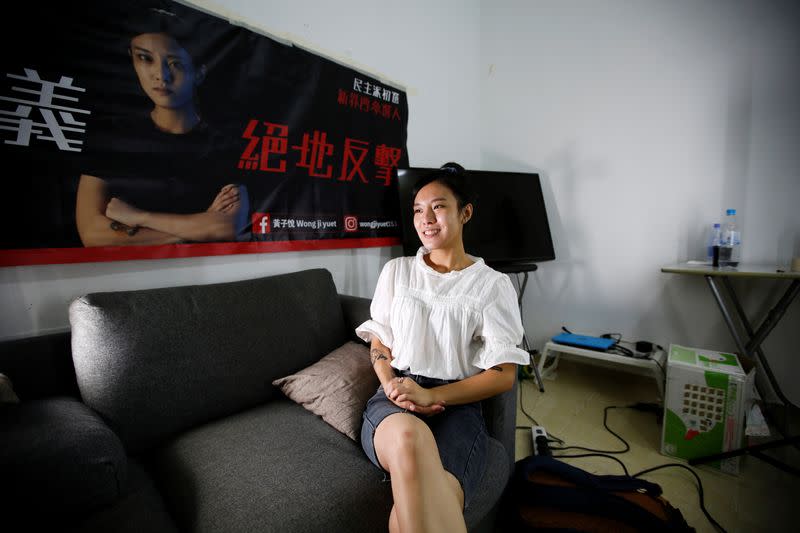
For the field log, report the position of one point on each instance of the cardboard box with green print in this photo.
(706, 397)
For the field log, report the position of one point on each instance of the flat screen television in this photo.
(509, 227)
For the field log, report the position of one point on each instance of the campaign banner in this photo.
(152, 129)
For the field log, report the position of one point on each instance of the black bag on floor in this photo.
(546, 494)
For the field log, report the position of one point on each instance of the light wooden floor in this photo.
(760, 498)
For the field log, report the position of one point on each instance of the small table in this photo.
(749, 344)
(652, 365)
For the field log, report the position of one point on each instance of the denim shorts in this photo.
(459, 430)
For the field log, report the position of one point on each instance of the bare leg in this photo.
(456, 488)
(426, 497)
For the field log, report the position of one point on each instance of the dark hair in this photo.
(454, 177)
(167, 20)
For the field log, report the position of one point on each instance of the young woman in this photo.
(444, 334)
(153, 186)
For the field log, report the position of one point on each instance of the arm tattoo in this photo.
(376, 355)
(498, 368)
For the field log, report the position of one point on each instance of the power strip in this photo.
(540, 446)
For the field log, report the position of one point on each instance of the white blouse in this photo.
(445, 326)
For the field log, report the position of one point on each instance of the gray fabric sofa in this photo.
(157, 413)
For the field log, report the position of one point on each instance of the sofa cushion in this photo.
(157, 362)
(57, 454)
(279, 468)
(335, 388)
(273, 468)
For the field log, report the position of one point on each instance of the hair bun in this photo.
(451, 175)
(453, 168)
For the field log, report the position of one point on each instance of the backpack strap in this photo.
(543, 484)
(527, 467)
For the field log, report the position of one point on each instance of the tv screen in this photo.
(509, 227)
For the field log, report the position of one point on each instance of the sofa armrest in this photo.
(500, 414)
(356, 311)
(58, 454)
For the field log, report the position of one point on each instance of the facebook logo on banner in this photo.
(261, 223)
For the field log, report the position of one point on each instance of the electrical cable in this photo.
(639, 406)
(605, 424)
(660, 367)
(552, 438)
(616, 336)
(647, 407)
(522, 408)
(622, 350)
(650, 355)
(699, 489)
(617, 348)
(624, 468)
(663, 370)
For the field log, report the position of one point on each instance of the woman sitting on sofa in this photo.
(444, 331)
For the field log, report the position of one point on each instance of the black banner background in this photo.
(251, 80)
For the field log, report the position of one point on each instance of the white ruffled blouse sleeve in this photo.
(381, 309)
(501, 329)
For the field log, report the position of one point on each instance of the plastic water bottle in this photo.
(714, 239)
(730, 248)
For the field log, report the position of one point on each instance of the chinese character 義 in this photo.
(23, 124)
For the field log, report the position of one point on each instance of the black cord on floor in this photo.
(624, 468)
(639, 406)
(699, 489)
(605, 424)
(552, 438)
(649, 407)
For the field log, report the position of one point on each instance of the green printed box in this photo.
(705, 403)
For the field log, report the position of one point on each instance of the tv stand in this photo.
(522, 268)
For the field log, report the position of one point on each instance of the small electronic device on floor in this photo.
(584, 341)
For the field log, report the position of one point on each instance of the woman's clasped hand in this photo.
(406, 393)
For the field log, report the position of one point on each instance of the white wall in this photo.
(646, 119)
(432, 50)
